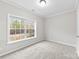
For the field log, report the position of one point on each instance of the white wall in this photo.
(77, 46)
(4, 10)
(62, 28)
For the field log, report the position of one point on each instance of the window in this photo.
(20, 29)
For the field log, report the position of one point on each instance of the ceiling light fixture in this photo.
(42, 3)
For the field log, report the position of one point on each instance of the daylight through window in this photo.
(20, 28)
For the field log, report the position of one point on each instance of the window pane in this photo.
(12, 31)
(17, 24)
(12, 23)
(22, 33)
(29, 31)
(12, 38)
(22, 24)
(17, 36)
(18, 31)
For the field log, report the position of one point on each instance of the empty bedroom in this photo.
(39, 29)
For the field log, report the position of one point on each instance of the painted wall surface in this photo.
(77, 46)
(4, 10)
(62, 28)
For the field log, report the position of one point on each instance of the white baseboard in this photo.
(72, 45)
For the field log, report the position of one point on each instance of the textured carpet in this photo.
(44, 50)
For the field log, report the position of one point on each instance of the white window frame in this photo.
(8, 30)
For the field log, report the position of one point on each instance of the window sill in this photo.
(10, 42)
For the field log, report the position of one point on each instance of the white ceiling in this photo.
(53, 6)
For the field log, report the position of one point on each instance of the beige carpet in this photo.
(44, 50)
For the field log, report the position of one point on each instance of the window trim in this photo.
(8, 30)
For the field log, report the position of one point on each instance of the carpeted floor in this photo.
(44, 50)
